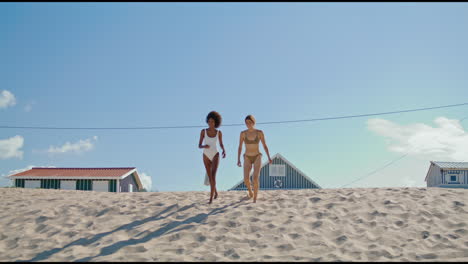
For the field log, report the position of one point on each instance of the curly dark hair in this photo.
(216, 117)
(251, 118)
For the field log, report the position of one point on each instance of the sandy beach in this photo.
(368, 224)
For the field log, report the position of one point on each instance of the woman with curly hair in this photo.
(210, 150)
(251, 137)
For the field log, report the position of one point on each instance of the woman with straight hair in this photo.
(252, 156)
(210, 150)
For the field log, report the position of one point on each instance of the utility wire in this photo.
(240, 124)
(375, 171)
(386, 165)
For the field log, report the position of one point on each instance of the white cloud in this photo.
(10, 148)
(146, 181)
(7, 99)
(78, 147)
(447, 141)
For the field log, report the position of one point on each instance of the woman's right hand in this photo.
(239, 163)
(206, 146)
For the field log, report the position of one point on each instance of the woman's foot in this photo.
(250, 194)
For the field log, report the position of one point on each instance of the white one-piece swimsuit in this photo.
(213, 149)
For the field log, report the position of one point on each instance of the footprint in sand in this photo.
(11, 244)
(316, 224)
(40, 228)
(200, 238)
(426, 256)
(231, 253)
(232, 224)
(212, 223)
(425, 234)
(285, 247)
(41, 219)
(137, 249)
(254, 229)
(103, 212)
(294, 235)
(315, 199)
(341, 239)
(174, 237)
(254, 219)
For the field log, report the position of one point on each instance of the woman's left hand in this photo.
(224, 154)
(270, 161)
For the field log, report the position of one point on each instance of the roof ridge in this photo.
(98, 168)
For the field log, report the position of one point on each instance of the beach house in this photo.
(447, 174)
(281, 174)
(84, 179)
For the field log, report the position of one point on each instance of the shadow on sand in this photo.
(167, 228)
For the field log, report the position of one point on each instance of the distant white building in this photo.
(447, 174)
(86, 179)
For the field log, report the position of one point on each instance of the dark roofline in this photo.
(55, 168)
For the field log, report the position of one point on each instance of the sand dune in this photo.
(374, 224)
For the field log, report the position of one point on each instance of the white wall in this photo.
(32, 184)
(433, 179)
(68, 185)
(101, 186)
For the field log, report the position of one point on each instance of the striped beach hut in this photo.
(447, 174)
(84, 179)
(280, 175)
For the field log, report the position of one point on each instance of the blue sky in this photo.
(169, 64)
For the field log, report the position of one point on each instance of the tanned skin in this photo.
(212, 166)
(251, 150)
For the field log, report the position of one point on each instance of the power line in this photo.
(240, 124)
(388, 164)
(375, 171)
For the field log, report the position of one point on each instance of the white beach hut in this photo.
(447, 174)
(84, 179)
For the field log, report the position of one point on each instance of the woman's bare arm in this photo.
(265, 147)
(221, 143)
(202, 136)
(239, 150)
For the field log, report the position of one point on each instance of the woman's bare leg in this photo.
(256, 176)
(214, 169)
(207, 163)
(247, 169)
